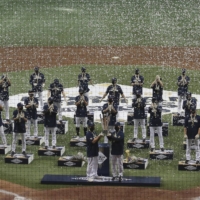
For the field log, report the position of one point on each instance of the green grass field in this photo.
(105, 22)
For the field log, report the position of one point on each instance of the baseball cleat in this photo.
(143, 140)
(24, 153)
(12, 153)
(46, 147)
(113, 178)
(152, 149)
(186, 162)
(90, 179)
(197, 162)
(133, 140)
(120, 178)
(54, 147)
(76, 138)
(162, 149)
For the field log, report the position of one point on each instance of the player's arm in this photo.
(185, 128)
(85, 101)
(142, 81)
(48, 94)
(1, 107)
(31, 79)
(105, 94)
(25, 117)
(96, 139)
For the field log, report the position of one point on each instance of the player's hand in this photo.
(101, 100)
(126, 100)
(43, 84)
(101, 135)
(185, 136)
(197, 136)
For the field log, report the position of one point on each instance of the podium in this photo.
(104, 159)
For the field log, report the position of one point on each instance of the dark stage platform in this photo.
(101, 180)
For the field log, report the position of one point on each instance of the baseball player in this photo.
(155, 123)
(117, 149)
(115, 91)
(192, 132)
(37, 81)
(92, 151)
(3, 137)
(4, 93)
(20, 119)
(55, 91)
(157, 87)
(50, 112)
(81, 101)
(139, 105)
(183, 82)
(188, 103)
(137, 82)
(31, 105)
(109, 112)
(83, 81)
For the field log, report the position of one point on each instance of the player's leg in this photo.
(59, 111)
(46, 137)
(152, 142)
(188, 148)
(28, 129)
(14, 141)
(87, 95)
(95, 166)
(78, 124)
(6, 107)
(136, 124)
(84, 120)
(120, 165)
(53, 133)
(3, 137)
(143, 127)
(197, 150)
(114, 165)
(179, 103)
(35, 124)
(40, 94)
(160, 136)
(89, 167)
(23, 142)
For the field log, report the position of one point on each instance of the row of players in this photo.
(37, 81)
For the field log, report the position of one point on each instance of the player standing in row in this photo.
(31, 105)
(137, 82)
(157, 87)
(83, 81)
(50, 112)
(192, 132)
(81, 102)
(92, 151)
(20, 119)
(37, 81)
(188, 103)
(117, 150)
(139, 105)
(3, 137)
(4, 94)
(182, 82)
(55, 91)
(155, 122)
(109, 112)
(115, 91)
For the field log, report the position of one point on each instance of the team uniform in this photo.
(192, 125)
(55, 92)
(137, 79)
(92, 155)
(84, 79)
(3, 137)
(31, 115)
(37, 80)
(81, 113)
(117, 149)
(19, 128)
(50, 112)
(157, 90)
(139, 105)
(4, 96)
(187, 104)
(155, 123)
(183, 82)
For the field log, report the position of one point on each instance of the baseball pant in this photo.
(3, 137)
(59, 110)
(87, 95)
(14, 142)
(40, 97)
(84, 121)
(152, 136)
(53, 134)
(117, 165)
(6, 107)
(35, 125)
(180, 101)
(188, 148)
(136, 126)
(92, 167)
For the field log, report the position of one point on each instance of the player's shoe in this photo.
(76, 138)
(24, 153)
(120, 178)
(152, 149)
(5, 145)
(113, 178)
(90, 179)
(133, 140)
(35, 136)
(162, 149)
(12, 153)
(54, 147)
(46, 147)
(197, 162)
(186, 162)
(143, 140)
